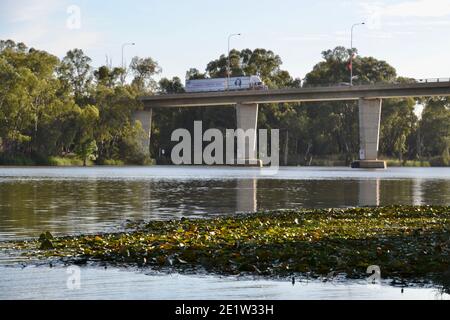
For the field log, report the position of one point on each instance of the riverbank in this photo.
(406, 242)
(68, 161)
(336, 162)
(331, 161)
(75, 162)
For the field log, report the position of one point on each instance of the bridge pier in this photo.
(369, 134)
(145, 118)
(247, 120)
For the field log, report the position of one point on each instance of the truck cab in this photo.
(257, 84)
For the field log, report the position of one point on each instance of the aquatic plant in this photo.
(407, 242)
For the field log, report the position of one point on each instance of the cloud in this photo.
(63, 42)
(306, 37)
(419, 8)
(376, 11)
(314, 37)
(16, 11)
(428, 23)
(44, 24)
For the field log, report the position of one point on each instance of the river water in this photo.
(87, 200)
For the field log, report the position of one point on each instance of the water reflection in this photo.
(97, 200)
(369, 192)
(113, 283)
(417, 191)
(246, 200)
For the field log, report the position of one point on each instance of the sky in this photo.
(411, 35)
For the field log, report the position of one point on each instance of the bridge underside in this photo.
(246, 104)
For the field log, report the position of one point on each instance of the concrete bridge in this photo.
(246, 103)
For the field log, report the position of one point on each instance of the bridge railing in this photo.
(304, 84)
(346, 84)
(433, 80)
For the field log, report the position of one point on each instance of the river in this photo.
(97, 199)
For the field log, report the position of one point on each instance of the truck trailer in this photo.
(220, 84)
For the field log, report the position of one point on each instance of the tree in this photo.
(39, 116)
(143, 70)
(171, 86)
(11, 45)
(114, 125)
(76, 72)
(262, 62)
(334, 69)
(15, 108)
(435, 129)
(33, 105)
(108, 77)
(398, 123)
(194, 74)
(85, 141)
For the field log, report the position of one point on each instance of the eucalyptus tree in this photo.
(144, 69)
(34, 106)
(435, 129)
(75, 71)
(109, 77)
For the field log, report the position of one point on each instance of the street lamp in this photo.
(123, 64)
(351, 53)
(229, 62)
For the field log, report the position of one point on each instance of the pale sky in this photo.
(411, 35)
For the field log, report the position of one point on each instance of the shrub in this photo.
(7, 160)
(112, 162)
(64, 161)
(440, 161)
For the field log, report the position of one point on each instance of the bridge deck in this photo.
(297, 95)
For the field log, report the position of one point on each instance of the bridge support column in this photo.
(145, 118)
(369, 134)
(247, 120)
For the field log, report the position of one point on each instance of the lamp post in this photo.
(229, 61)
(351, 49)
(123, 63)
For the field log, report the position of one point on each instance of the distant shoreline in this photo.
(389, 165)
(332, 161)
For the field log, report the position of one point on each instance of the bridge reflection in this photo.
(246, 191)
(252, 195)
(369, 193)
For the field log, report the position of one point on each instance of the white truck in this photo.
(220, 84)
